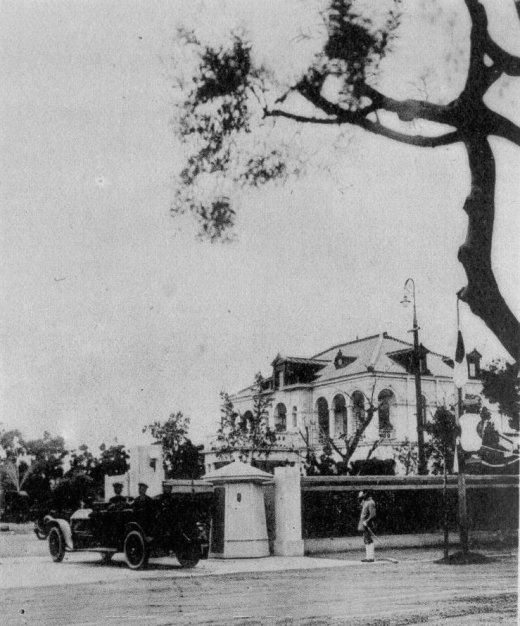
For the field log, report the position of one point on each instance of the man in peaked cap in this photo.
(118, 498)
(142, 498)
(144, 505)
(366, 523)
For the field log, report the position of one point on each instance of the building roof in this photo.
(377, 353)
(236, 471)
(299, 360)
(374, 353)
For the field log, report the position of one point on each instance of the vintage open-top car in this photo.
(169, 523)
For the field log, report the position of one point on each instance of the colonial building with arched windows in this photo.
(329, 394)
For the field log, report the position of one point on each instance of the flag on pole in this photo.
(460, 351)
(460, 371)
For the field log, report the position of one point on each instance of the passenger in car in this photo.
(117, 499)
(142, 500)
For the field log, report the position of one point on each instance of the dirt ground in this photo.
(416, 590)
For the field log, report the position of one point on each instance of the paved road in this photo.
(384, 594)
(22, 544)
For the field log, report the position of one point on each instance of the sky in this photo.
(114, 315)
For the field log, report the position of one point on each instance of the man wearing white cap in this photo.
(366, 521)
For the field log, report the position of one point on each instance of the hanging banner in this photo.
(460, 370)
(469, 438)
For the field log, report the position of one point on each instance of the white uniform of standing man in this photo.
(366, 522)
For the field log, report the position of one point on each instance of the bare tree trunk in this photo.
(482, 293)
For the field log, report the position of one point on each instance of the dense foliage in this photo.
(501, 385)
(46, 473)
(181, 458)
(247, 436)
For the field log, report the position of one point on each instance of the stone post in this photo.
(288, 515)
(239, 527)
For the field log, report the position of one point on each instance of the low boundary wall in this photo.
(410, 510)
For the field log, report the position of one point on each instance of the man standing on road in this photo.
(366, 524)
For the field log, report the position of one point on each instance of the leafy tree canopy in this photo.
(12, 445)
(443, 431)
(182, 459)
(82, 461)
(47, 455)
(249, 434)
(501, 385)
(39, 466)
(245, 99)
(113, 460)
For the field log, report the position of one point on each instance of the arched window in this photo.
(247, 420)
(358, 408)
(280, 418)
(322, 408)
(340, 415)
(386, 400)
(294, 417)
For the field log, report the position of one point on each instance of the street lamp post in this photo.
(417, 376)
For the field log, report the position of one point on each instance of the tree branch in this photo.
(507, 63)
(414, 140)
(311, 91)
(408, 110)
(377, 128)
(477, 80)
(502, 127)
(301, 118)
(503, 62)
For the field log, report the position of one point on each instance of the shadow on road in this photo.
(121, 564)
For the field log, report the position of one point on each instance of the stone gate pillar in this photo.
(238, 527)
(288, 514)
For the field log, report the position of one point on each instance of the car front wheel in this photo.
(56, 544)
(136, 550)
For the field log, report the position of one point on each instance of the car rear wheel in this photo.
(136, 550)
(56, 544)
(188, 555)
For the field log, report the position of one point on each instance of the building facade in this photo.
(326, 396)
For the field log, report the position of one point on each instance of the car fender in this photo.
(135, 526)
(64, 526)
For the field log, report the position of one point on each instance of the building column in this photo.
(332, 422)
(288, 515)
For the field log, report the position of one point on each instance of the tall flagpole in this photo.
(459, 455)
